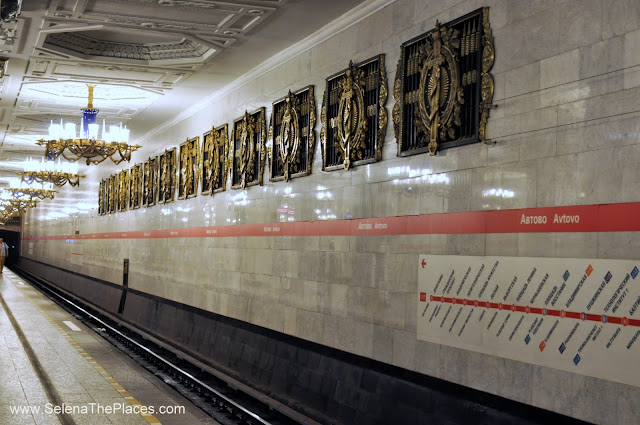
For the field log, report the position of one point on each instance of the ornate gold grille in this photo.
(123, 190)
(443, 89)
(150, 182)
(214, 160)
(102, 197)
(188, 169)
(135, 186)
(112, 192)
(292, 129)
(167, 176)
(354, 119)
(248, 137)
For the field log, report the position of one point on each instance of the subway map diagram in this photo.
(579, 315)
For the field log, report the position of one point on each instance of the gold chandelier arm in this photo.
(70, 158)
(96, 161)
(54, 148)
(125, 151)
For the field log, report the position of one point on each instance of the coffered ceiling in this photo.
(150, 59)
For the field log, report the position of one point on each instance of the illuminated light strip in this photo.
(620, 217)
(537, 310)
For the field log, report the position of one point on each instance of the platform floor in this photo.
(46, 367)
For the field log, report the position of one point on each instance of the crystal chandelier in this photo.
(18, 189)
(63, 140)
(31, 192)
(10, 208)
(50, 172)
(7, 212)
(21, 204)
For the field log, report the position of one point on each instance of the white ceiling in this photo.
(149, 59)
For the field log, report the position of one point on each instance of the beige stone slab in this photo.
(523, 80)
(619, 17)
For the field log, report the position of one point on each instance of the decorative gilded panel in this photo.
(101, 197)
(214, 160)
(248, 138)
(354, 118)
(135, 186)
(150, 182)
(167, 176)
(112, 193)
(189, 168)
(443, 89)
(123, 190)
(292, 130)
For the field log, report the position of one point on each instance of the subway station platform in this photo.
(55, 370)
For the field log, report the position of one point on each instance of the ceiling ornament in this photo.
(182, 3)
(10, 32)
(10, 10)
(113, 144)
(155, 23)
(85, 45)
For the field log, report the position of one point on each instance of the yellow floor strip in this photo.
(124, 393)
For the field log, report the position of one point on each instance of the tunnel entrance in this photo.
(12, 238)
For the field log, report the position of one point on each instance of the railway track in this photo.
(228, 401)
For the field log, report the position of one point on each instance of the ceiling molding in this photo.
(157, 79)
(344, 22)
(86, 46)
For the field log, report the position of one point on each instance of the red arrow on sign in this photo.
(424, 263)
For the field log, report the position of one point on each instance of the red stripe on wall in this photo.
(582, 218)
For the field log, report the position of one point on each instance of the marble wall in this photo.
(565, 127)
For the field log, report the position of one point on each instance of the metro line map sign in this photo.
(579, 315)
